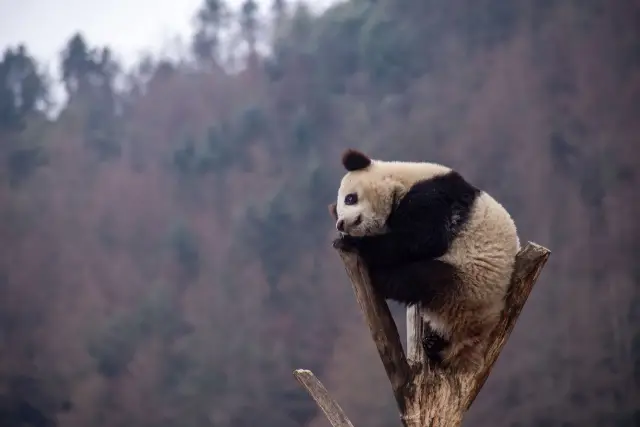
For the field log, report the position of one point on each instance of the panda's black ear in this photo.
(333, 210)
(354, 160)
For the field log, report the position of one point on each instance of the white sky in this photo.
(127, 26)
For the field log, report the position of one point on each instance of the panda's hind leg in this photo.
(467, 350)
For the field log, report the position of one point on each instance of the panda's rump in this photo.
(484, 251)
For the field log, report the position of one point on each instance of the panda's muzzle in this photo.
(340, 225)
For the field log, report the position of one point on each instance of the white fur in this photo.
(484, 251)
(374, 186)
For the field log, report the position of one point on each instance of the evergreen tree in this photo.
(23, 89)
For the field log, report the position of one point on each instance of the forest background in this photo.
(166, 256)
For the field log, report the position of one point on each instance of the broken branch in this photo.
(330, 407)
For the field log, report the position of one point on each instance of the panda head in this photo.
(371, 190)
(366, 196)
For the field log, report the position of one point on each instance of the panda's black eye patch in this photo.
(351, 199)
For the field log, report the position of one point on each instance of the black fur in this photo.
(401, 262)
(426, 220)
(433, 344)
(354, 160)
(426, 281)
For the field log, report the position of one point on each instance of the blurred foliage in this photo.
(166, 251)
(186, 251)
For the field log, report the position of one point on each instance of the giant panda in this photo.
(427, 236)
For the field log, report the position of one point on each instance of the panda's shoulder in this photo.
(450, 186)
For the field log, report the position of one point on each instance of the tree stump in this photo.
(426, 396)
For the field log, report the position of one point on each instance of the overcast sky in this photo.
(128, 26)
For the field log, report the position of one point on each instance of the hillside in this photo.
(166, 256)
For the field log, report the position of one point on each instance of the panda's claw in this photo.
(429, 342)
(433, 344)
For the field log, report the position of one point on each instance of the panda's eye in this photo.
(351, 199)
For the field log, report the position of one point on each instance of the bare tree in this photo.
(426, 395)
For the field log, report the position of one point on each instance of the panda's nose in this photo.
(340, 225)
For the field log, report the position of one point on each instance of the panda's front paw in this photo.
(345, 243)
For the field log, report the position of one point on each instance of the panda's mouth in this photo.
(354, 228)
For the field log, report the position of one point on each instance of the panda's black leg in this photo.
(433, 345)
(412, 283)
